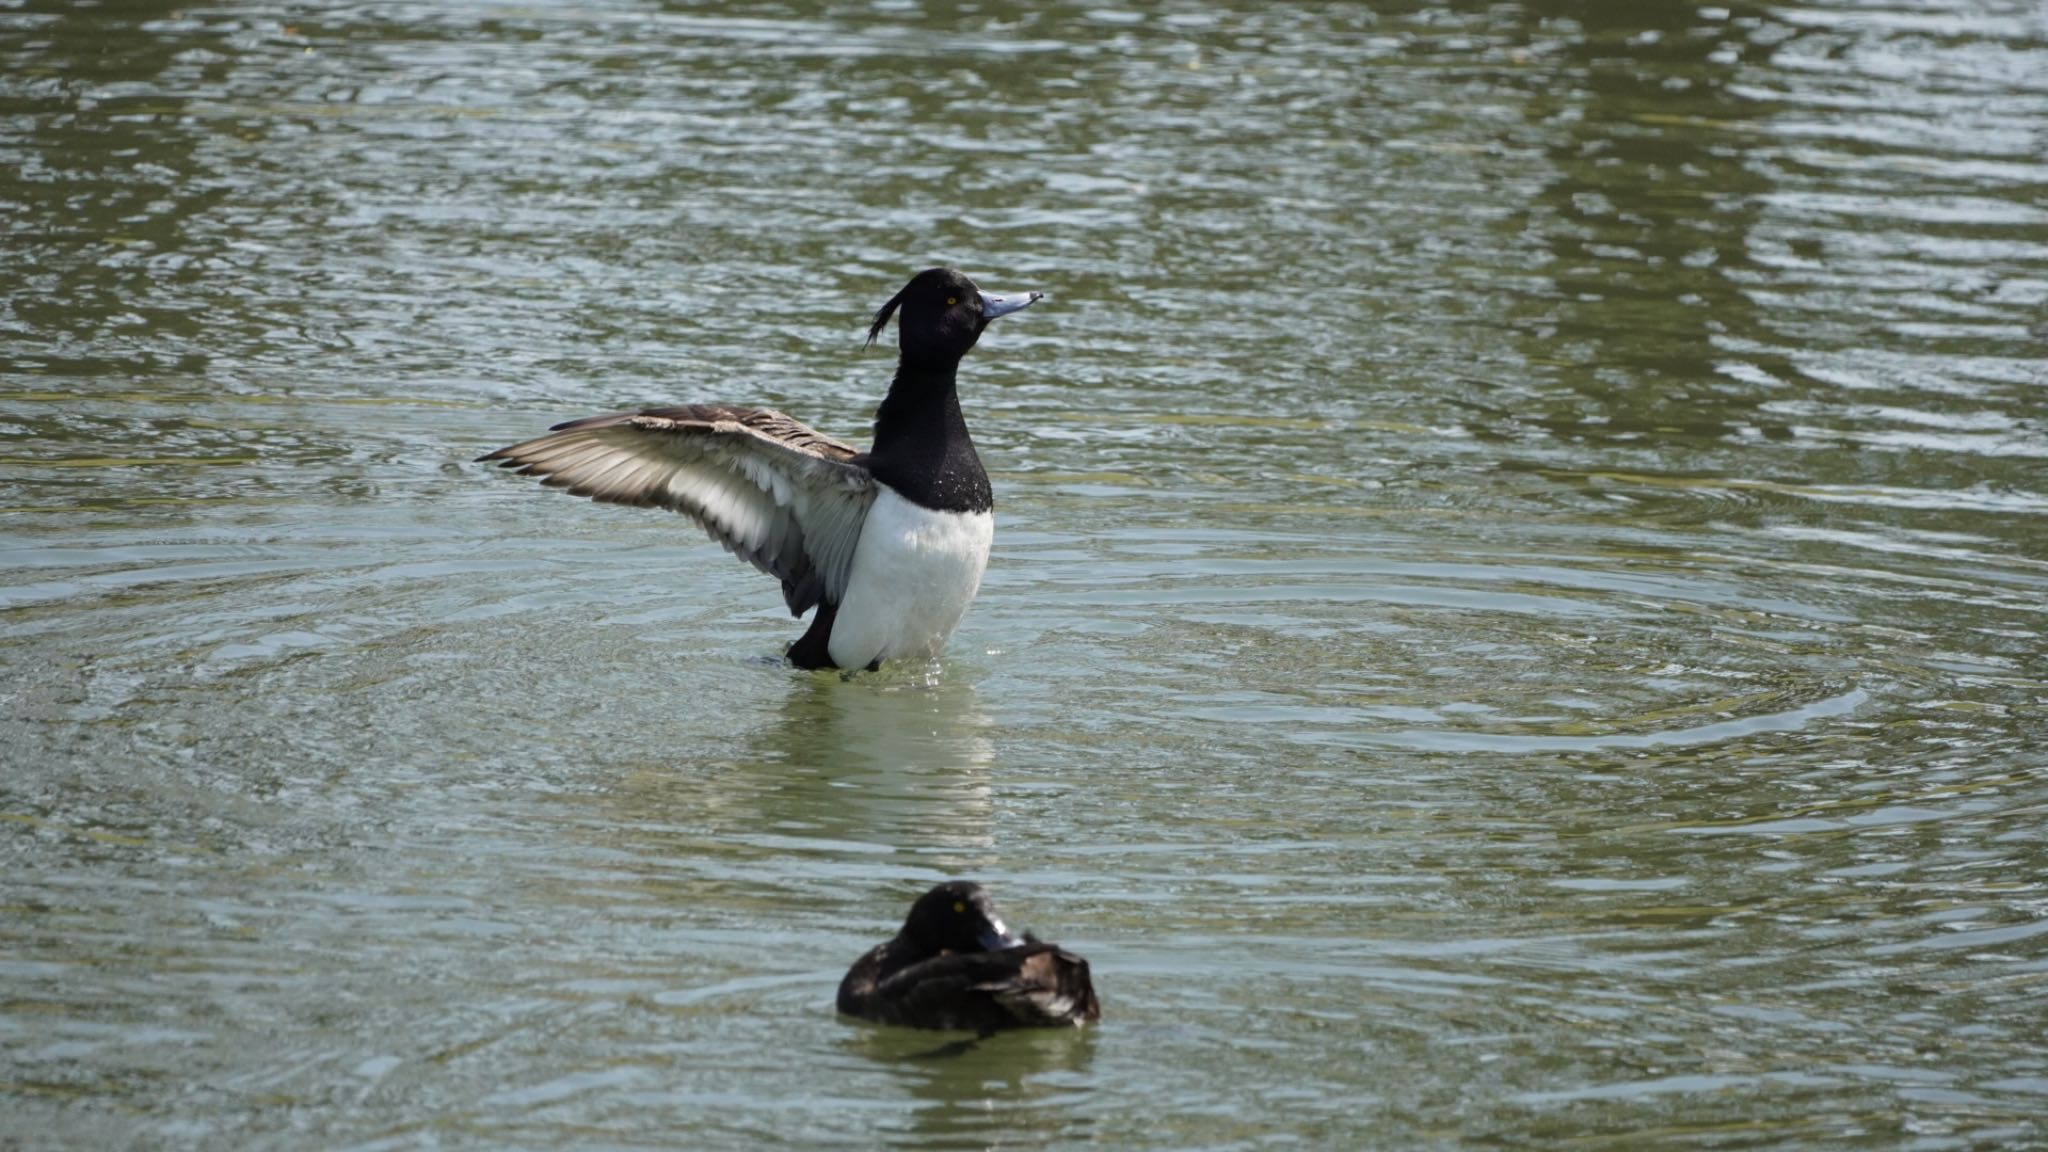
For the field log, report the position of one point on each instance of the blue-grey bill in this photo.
(995, 937)
(993, 305)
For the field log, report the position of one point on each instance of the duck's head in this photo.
(957, 916)
(941, 314)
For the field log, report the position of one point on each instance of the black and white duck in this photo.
(888, 545)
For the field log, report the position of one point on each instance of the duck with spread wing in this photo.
(888, 545)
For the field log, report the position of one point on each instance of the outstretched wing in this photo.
(782, 496)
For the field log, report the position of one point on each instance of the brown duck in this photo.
(955, 966)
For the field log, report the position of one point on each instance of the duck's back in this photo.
(1030, 986)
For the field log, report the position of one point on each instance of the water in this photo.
(1517, 616)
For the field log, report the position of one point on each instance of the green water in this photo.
(1517, 614)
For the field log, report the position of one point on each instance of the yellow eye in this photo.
(959, 906)
(950, 301)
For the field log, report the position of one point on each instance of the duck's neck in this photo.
(921, 445)
(922, 407)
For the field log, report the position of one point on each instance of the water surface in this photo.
(1517, 616)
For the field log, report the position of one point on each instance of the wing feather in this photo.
(1032, 985)
(1048, 985)
(780, 495)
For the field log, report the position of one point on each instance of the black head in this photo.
(943, 313)
(957, 916)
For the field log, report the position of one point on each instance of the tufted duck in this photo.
(888, 544)
(955, 966)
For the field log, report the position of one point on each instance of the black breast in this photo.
(946, 478)
(921, 447)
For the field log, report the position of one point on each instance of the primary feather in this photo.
(779, 494)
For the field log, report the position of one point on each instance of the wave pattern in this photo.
(1517, 613)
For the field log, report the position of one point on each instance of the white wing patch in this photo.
(782, 496)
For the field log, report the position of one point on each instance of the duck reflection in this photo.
(904, 763)
(1004, 1089)
(870, 763)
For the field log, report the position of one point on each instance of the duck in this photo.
(888, 545)
(956, 967)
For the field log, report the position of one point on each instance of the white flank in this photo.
(915, 571)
